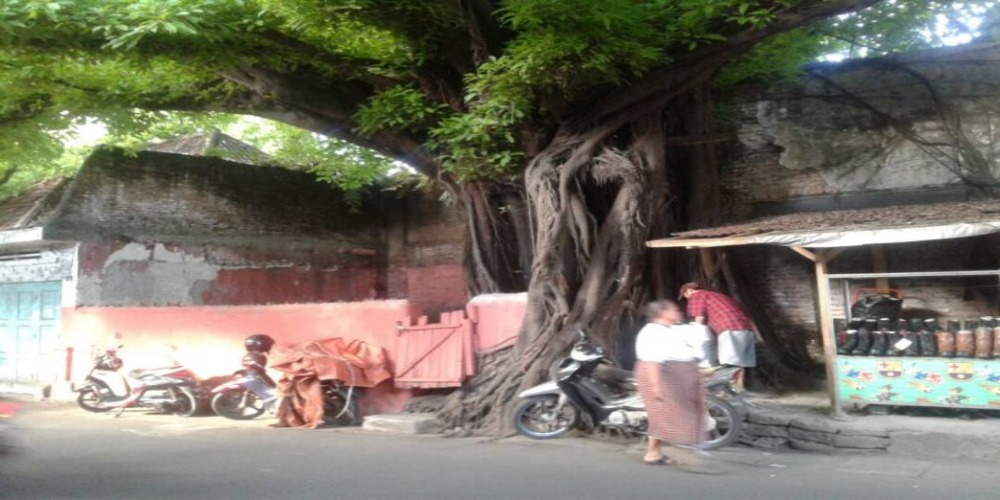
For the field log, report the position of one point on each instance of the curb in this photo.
(771, 426)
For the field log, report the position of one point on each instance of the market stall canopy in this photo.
(847, 228)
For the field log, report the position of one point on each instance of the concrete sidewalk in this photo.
(804, 422)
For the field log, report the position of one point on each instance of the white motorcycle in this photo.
(164, 389)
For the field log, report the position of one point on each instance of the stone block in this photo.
(815, 422)
(861, 442)
(402, 423)
(805, 445)
(767, 443)
(760, 430)
(770, 417)
(824, 438)
(864, 427)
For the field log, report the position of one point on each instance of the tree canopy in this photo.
(471, 88)
(570, 131)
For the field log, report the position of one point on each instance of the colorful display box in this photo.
(910, 381)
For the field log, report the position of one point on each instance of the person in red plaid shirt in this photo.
(732, 327)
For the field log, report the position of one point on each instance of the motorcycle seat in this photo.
(614, 376)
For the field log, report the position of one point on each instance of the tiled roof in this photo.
(26, 208)
(212, 144)
(850, 220)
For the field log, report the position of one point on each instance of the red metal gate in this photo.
(435, 355)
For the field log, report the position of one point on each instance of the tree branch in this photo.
(488, 35)
(710, 58)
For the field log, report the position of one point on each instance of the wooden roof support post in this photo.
(820, 260)
(823, 296)
(880, 265)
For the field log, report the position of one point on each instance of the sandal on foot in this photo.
(658, 461)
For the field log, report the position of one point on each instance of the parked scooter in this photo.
(588, 383)
(252, 391)
(170, 389)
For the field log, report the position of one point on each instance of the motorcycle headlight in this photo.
(586, 352)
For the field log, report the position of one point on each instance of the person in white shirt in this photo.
(668, 352)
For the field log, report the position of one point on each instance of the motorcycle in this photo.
(252, 392)
(249, 394)
(171, 389)
(587, 383)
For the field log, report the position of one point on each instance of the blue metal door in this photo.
(29, 332)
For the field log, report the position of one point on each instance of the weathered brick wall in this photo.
(807, 140)
(168, 230)
(157, 274)
(155, 195)
(426, 240)
(753, 173)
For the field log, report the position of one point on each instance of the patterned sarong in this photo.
(677, 418)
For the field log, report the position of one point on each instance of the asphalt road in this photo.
(72, 454)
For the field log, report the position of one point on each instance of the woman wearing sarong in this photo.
(667, 353)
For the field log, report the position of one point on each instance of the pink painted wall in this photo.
(208, 339)
(497, 318)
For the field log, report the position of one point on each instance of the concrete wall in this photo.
(209, 339)
(497, 318)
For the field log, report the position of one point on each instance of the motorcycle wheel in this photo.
(186, 404)
(728, 424)
(92, 401)
(230, 404)
(334, 412)
(536, 417)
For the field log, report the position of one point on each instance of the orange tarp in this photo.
(355, 362)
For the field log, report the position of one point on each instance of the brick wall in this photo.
(168, 230)
(425, 247)
(806, 142)
(193, 199)
(752, 172)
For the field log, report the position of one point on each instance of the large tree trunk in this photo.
(595, 197)
(498, 247)
(593, 200)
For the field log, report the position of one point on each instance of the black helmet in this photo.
(258, 343)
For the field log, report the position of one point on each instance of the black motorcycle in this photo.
(588, 383)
